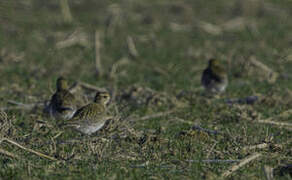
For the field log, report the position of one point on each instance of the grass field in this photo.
(152, 54)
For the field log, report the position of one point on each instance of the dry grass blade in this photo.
(114, 91)
(259, 64)
(272, 75)
(113, 75)
(180, 27)
(70, 41)
(214, 161)
(258, 146)
(114, 18)
(98, 66)
(2, 151)
(20, 105)
(268, 172)
(116, 65)
(268, 121)
(66, 11)
(284, 125)
(210, 28)
(132, 48)
(78, 37)
(29, 150)
(89, 86)
(176, 119)
(57, 135)
(16, 108)
(241, 164)
(238, 23)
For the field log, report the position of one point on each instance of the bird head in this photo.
(216, 67)
(61, 83)
(102, 97)
(214, 62)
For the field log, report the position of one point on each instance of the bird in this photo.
(214, 78)
(92, 117)
(63, 103)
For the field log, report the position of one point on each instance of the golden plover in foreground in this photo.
(92, 117)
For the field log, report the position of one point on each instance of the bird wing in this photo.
(63, 100)
(206, 77)
(218, 73)
(89, 113)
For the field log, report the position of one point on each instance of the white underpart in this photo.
(51, 111)
(92, 128)
(221, 88)
(217, 87)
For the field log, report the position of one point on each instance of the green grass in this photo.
(167, 73)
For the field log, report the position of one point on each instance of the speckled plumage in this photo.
(62, 104)
(92, 117)
(214, 78)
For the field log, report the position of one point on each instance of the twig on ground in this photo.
(284, 125)
(268, 121)
(29, 150)
(144, 166)
(214, 161)
(2, 151)
(258, 146)
(241, 164)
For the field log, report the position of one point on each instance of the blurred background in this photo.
(156, 43)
